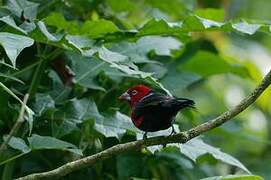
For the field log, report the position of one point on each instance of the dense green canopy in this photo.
(74, 58)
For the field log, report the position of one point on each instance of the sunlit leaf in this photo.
(14, 44)
(10, 21)
(23, 7)
(196, 148)
(19, 144)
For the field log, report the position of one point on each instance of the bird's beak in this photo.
(125, 96)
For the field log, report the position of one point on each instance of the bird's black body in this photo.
(157, 111)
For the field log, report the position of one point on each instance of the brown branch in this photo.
(16, 126)
(181, 137)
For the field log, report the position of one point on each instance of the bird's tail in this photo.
(185, 103)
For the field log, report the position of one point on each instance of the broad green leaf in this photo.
(59, 91)
(125, 5)
(46, 33)
(235, 177)
(113, 59)
(42, 102)
(114, 124)
(206, 64)
(161, 45)
(72, 113)
(176, 82)
(96, 29)
(14, 44)
(196, 148)
(28, 26)
(80, 42)
(246, 28)
(158, 70)
(57, 20)
(78, 110)
(175, 8)
(135, 169)
(211, 13)
(155, 83)
(19, 144)
(131, 50)
(86, 70)
(117, 61)
(110, 56)
(23, 7)
(37, 142)
(172, 154)
(158, 27)
(10, 21)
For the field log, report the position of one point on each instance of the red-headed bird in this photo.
(152, 111)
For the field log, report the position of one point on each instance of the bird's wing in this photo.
(161, 102)
(151, 101)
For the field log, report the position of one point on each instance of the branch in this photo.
(181, 137)
(16, 126)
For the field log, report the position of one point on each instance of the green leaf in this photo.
(19, 144)
(78, 110)
(14, 44)
(125, 5)
(206, 64)
(246, 28)
(37, 142)
(74, 112)
(114, 124)
(47, 34)
(175, 8)
(161, 45)
(10, 21)
(80, 42)
(42, 103)
(22, 7)
(57, 20)
(212, 14)
(235, 177)
(59, 91)
(96, 29)
(86, 70)
(131, 50)
(158, 71)
(158, 27)
(120, 62)
(176, 82)
(135, 169)
(196, 148)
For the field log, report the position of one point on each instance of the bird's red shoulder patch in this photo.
(137, 120)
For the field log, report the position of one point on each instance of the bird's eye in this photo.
(134, 92)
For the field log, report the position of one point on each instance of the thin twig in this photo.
(181, 137)
(17, 125)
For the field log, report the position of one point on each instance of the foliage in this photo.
(75, 58)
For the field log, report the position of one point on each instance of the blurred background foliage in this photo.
(75, 58)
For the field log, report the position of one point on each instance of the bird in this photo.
(152, 111)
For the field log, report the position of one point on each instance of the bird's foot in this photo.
(173, 130)
(145, 136)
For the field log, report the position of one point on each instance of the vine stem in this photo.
(16, 126)
(181, 137)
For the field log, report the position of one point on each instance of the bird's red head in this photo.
(135, 94)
